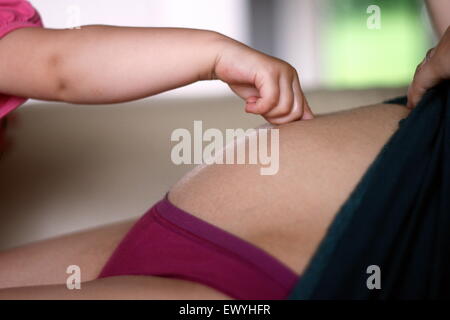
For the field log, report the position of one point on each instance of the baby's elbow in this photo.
(59, 78)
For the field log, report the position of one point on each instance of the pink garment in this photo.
(15, 14)
(170, 242)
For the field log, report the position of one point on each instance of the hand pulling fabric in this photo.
(397, 218)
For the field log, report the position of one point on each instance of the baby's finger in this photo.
(286, 101)
(296, 109)
(307, 114)
(269, 94)
(244, 91)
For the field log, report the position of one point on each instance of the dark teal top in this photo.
(397, 219)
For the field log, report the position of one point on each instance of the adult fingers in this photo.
(426, 76)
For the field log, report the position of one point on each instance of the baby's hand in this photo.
(269, 86)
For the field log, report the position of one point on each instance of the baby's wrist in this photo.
(216, 43)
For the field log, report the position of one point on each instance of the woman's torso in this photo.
(287, 214)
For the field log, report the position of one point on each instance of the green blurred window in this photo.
(357, 56)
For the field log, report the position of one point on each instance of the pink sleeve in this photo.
(15, 14)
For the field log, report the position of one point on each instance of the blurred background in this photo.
(328, 41)
(74, 167)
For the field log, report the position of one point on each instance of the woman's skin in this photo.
(286, 214)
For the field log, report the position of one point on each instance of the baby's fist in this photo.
(269, 86)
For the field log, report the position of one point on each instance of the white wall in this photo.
(297, 38)
(226, 16)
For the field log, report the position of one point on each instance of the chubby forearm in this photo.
(439, 11)
(104, 64)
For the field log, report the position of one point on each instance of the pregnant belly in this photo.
(287, 214)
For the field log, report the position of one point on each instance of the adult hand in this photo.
(434, 68)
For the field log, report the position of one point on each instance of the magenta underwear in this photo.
(169, 242)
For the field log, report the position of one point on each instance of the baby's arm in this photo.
(104, 64)
(100, 64)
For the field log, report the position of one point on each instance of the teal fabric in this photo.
(397, 218)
